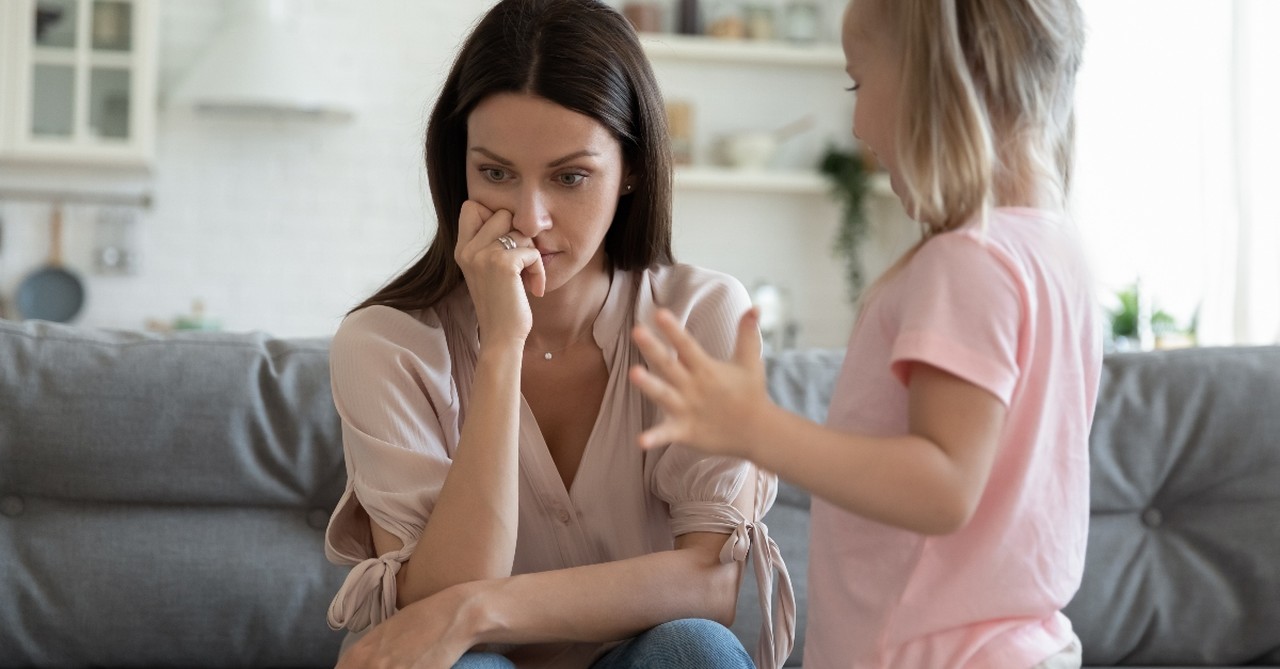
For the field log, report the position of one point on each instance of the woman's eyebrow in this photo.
(577, 154)
(491, 155)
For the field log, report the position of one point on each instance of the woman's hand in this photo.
(497, 277)
(431, 633)
(707, 404)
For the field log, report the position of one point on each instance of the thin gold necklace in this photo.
(547, 355)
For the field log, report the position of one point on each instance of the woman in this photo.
(497, 512)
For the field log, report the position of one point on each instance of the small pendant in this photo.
(547, 355)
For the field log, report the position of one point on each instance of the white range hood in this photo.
(265, 62)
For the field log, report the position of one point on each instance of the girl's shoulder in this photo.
(1009, 236)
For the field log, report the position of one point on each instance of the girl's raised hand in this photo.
(496, 276)
(707, 403)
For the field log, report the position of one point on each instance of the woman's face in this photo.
(558, 172)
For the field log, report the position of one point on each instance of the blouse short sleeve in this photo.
(393, 390)
(701, 489)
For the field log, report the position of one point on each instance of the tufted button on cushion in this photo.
(1152, 518)
(11, 505)
(318, 518)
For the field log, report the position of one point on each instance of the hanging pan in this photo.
(51, 293)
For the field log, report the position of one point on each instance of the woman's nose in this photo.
(531, 215)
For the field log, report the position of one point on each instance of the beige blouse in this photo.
(401, 383)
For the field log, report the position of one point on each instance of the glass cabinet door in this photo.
(109, 103)
(53, 94)
(112, 25)
(82, 73)
(55, 23)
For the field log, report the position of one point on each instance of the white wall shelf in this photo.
(794, 182)
(798, 182)
(664, 46)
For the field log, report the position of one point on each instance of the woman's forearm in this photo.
(471, 534)
(607, 601)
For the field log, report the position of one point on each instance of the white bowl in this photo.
(748, 150)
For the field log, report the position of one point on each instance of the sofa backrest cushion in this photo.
(1183, 564)
(163, 499)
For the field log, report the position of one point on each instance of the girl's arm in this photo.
(928, 480)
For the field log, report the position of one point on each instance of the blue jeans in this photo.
(691, 643)
(483, 661)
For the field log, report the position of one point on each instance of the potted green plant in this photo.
(848, 175)
(1128, 326)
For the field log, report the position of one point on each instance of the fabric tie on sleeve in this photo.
(368, 595)
(777, 636)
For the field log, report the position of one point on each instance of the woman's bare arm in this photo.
(593, 603)
(476, 514)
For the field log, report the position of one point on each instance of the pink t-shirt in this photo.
(1009, 309)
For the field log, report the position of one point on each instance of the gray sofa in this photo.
(163, 500)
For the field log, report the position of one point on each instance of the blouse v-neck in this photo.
(533, 443)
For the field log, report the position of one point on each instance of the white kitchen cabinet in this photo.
(78, 82)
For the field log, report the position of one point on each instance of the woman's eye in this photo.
(571, 179)
(494, 174)
(853, 88)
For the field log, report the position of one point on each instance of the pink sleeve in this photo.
(961, 310)
(700, 489)
(709, 305)
(391, 387)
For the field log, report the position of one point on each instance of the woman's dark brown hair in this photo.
(583, 56)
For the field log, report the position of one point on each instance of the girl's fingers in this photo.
(690, 352)
(660, 359)
(654, 387)
(655, 436)
(746, 352)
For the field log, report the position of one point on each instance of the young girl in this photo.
(951, 480)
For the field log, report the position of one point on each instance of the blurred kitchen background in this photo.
(256, 164)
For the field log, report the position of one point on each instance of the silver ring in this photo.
(507, 242)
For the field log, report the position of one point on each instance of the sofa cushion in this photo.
(163, 499)
(1183, 563)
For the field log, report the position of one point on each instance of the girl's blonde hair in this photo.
(988, 90)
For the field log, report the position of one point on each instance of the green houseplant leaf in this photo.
(848, 176)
